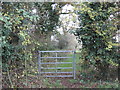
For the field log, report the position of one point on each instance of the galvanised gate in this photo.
(44, 71)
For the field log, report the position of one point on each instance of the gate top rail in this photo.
(58, 51)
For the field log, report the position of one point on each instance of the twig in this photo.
(26, 68)
(9, 77)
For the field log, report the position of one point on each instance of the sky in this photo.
(68, 21)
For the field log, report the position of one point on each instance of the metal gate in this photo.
(42, 62)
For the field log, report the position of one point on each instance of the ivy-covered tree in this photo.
(96, 32)
(18, 42)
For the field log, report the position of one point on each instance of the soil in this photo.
(67, 84)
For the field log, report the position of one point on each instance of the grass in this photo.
(53, 84)
(78, 68)
(57, 83)
(69, 60)
(73, 81)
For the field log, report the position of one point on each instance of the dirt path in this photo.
(67, 84)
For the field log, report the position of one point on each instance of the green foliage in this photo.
(19, 38)
(73, 81)
(108, 85)
(17, 19)
(48, 17)
(96, 32)
(14, 35)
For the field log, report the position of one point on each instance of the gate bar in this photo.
(55, 72)
(58, 63)
(56, 57)
(58, 76)
(57, 68)
(57, 51)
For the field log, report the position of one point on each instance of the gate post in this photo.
(39, 63)
(74, 65)
(56, 64)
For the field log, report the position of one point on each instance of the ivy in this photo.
(18, 40)
(14, 33)
(96, 32)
